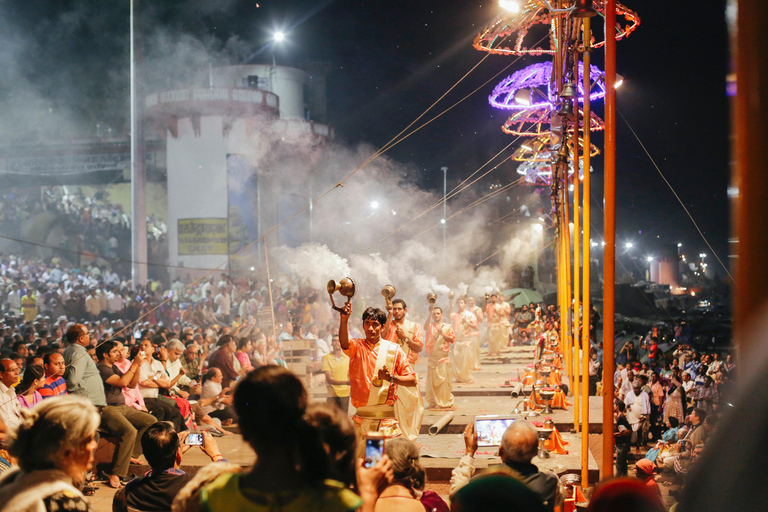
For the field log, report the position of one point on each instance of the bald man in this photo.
(519, 445)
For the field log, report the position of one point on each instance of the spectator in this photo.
(336, 368)
(214, 398)
(163, 448)
(290, 460)
(10, 408)
(152, 377)
(191, 361)
(337, 434)
(54, 445)
(496, 493)
(622, 435)
(644, 470)
(127, 422)
(27, 390)
(626, 495)
(223, 359)
(53, 364)
(243, 354)
(519, 445)
(406, 490)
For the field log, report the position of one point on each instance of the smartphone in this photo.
(490, 429)
(195, 439)
(374, 450)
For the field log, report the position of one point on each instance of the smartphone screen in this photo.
(490, 430)
(374, 449)
(195, 439)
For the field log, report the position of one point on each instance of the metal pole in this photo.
(138, 174)
(568, 326)
(609, 261)
(269, 286)
(445, 209)
(576, 248)
(585, 274)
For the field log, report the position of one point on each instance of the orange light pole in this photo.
(609, 233)
(585, 274)
(576, 253)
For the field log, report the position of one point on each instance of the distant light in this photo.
(253, 268)
(618, 82)
(374, 205)
(509, 5)
(541, 219)
(538, 227)
(702, 255)
(442, 221)
(526, 147)
(279, 36)
(570, 187)
(593, 244)
(629, 245)
(603, 244)
(679, 244)
(394, 212)
(693, 294)
(650, 259)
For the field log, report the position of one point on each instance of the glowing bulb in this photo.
(650, 259)
(279, 36)
(374, 205)
(253, 268)
(618, 82)
(679, 244)
(629, 245)
(442, 221)
(394, 212)
(570, 188)
(526, 147)
(509, 5)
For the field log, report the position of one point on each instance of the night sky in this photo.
(393, 59)
(390, 60)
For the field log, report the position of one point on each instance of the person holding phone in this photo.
(376, 366)
(163, 447)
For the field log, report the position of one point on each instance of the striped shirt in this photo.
(54, 386)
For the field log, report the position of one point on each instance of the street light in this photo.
(509, 5)
(649, 259)
(629, 245)
(374, 205)
(279, 36)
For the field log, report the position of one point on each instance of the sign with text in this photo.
(202, 236)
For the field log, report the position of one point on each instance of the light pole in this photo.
(138, 176)
(445, 208)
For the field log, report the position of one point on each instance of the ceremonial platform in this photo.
(441, 452)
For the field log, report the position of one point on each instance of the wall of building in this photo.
(288, 83)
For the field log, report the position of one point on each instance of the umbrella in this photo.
(522, 296)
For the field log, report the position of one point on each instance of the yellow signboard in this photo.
(202, 236)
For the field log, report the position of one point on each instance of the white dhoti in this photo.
(499, 337)
(409, 410)
(464, 360)
(439, 380)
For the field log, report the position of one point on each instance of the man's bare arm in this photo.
(343, 326)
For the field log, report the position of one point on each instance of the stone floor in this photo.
(440, 453)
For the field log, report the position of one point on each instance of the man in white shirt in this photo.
(115, 304)
(626, 386)
(224, 303)
(10, 408)
(638, 409)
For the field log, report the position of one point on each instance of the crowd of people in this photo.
(160, 363)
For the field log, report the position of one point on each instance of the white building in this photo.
(218, 201)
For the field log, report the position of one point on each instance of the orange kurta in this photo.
(362, 363)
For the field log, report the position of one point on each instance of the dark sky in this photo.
(393, 59)
(390, 60)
